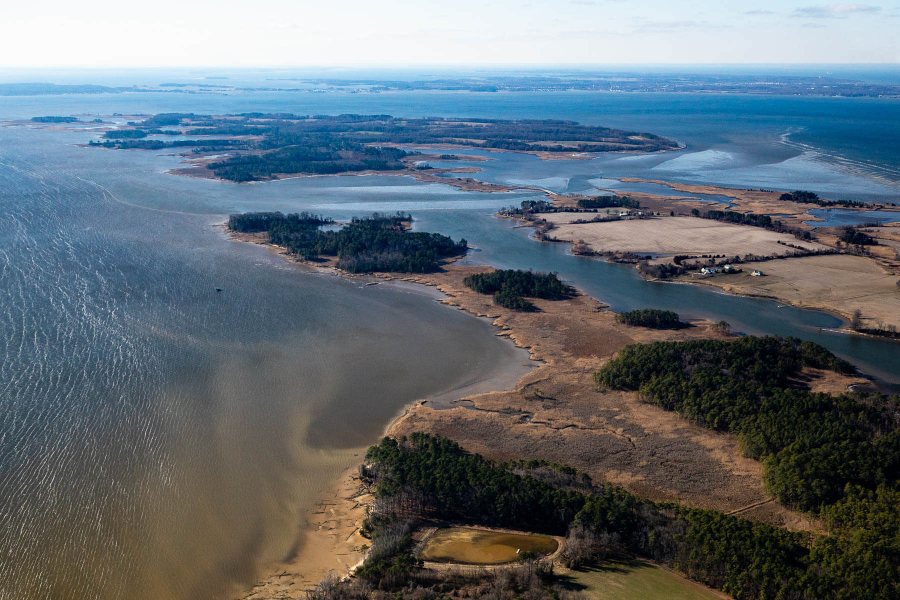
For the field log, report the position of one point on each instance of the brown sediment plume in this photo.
(330, 542)
(555, 413)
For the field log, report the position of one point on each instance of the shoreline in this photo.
(554, 411)
(876, 299)
(332, 531)
(721, 479)
(730, 290)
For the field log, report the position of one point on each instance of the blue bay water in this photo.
(151, 424)
(160, 439)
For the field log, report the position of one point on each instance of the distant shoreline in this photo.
(598, 80)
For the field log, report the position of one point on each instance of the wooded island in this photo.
(267, 146)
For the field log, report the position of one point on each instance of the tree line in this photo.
(813, 446)
(608, 202)
(319, 157)
(651, 318)
(427, 477)
(380, 243)
(510, 287)
(134, 134)
(54, 120)
(145, 144)
(264, 221)
(805, 197)
(753, 220)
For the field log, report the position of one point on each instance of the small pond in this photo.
(480, 547)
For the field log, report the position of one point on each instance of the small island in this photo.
(380, 243)
(272, 146)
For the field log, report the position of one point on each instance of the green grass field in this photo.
(637, 580)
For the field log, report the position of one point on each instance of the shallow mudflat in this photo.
(482, 547)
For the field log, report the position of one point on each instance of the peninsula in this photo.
(273, 146)
(753, 466)
(626, 449)
(762, 243)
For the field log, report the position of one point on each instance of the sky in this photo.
(104, 33)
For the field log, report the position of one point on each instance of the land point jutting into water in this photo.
(695, 431)
(746, 464)
(761, 243)
(644, 450)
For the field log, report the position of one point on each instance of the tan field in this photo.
(674, 235)
(638, 580)
(840, 283)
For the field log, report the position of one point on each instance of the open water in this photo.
(161, 439)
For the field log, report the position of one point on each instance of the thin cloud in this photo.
(834, 11)
(759, 12)
(669, 26)
(812, 25)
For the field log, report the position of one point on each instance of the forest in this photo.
(651, 318)
(753, 220)
(320, 157)
(265, 221)
(290, 144)
(510, 287)
(813, 446)
(380, 243)
(148, 144)
(813, 198)
(608, 202)
(54, 119)
(134, 134)
(855, 237)
(425, 478)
